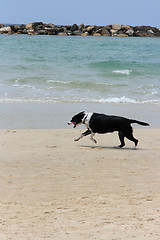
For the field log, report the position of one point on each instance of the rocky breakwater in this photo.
(39, 28)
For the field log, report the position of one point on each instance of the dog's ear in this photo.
(82, 112)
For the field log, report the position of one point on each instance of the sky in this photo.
(88, 12)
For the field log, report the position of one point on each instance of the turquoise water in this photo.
(79, 69)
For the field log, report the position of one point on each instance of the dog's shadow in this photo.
(111, 148)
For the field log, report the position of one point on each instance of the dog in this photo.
(101, 123)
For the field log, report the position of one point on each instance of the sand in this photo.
(54, 188)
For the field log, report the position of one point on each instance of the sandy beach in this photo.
(54, 188)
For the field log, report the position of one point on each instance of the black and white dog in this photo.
(101, 123)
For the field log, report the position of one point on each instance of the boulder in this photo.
(41, 32)
(108, 27)
(96, 34)
(125, 27)
(68, 32)
(150, 32)
(91, 29)
(50, 25)
(34, 25)
(50, 31)
(130, 32)
(29, 26)
(74, 27)
(113, 32)
(122, 35)
(15, 28)
(155, 30)
(105, 32)
(81, 27)
(83, 30)
(68, 27)
(116, 27)
(62, 34)
(30, 31)
(7, 30)
(85, 34)
(77, 33)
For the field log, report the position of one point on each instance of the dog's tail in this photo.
(138, 122)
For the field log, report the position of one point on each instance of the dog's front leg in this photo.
(92, 135)
(83, 135)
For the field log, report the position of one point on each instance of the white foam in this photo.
(127, 72)
(58, 82)
(118, 100)
(114, 100)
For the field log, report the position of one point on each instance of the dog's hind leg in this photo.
(131, 138)
(121, 138)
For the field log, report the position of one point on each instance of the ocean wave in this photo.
(123, 72)
(85, 84)
(110, 100)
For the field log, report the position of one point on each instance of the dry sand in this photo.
(54, 188)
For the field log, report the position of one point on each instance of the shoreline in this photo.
(57, 115)
(54, 188)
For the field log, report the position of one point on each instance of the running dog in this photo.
(101, 123)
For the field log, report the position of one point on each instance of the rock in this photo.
(50, 25)
(85, 34)
(108, 27)
(155, 30)
(50, 31)
(88, 30)
(15, 28)
(81, 27)
(62, 34)
(150, 32)
(68, 27)
(34, 25)
(141, 31)
(97, 34)
(7, 30)
(41, 32)
(24, 31)
(130, 32)
(68, 32)
(122, 35)
(76, 32)
(125, 27)
(113, 32)
(29, 26)
(91, 29)
(74, 27)
(30, 31)
(105, 32)
(116, 27)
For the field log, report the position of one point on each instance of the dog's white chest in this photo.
(87, 119)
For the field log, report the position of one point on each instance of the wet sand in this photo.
(56, 115)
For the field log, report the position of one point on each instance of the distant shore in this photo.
(40, 28)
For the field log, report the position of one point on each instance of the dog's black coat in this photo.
(101, 123)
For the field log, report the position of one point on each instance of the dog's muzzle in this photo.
(69, 123)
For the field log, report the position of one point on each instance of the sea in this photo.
(46, 79)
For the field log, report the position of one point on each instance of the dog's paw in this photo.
(94, 140)
(76, 140)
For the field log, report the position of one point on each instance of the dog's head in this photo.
(77, 119)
